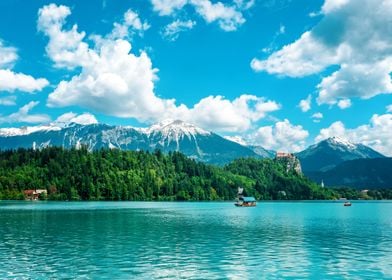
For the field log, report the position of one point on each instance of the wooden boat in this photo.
(347, 203)
(244, 201)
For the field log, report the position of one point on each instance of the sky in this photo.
(282, 74)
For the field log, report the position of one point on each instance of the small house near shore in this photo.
(34, 194)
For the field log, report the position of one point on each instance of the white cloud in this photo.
(11, 81)
(167, 7)
(244, 4)
(331, 5)
(344, 103)
(229, 18)
(112, 80)
(298, 59)
(172, 30)
(8, 100)
(282, 136)
(131, 23)
(305, 104)
(282, 29)
(376, 134)
(272, 46)
(116, 82)
(8, 55)
(70, 117)
(317, 117)
(65, 48)
(336, 129)
(23, 116)
(389, 108)
(220, 114)
(356, 35)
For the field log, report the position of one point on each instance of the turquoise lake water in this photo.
(159, 240)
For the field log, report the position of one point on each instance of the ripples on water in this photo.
(124, 240)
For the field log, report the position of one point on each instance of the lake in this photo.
(195, 240)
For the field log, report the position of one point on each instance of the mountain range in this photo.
(170, 135)
(329, 160)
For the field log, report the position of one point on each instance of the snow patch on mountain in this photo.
(26, 130)
(169, 135)
(330, 152)
(237, 139)
(338, 141)
(175, 129)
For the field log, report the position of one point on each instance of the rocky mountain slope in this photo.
(329, 153)
(170, 135)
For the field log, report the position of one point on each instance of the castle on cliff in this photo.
(292, 162)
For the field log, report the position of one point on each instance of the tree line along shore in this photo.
(77, 174)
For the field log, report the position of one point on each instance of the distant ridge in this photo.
(329, 153)
(367, 173)
(176, 135)
(169, 135)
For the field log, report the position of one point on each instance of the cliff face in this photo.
(291, 161)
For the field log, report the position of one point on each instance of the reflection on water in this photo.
(195, 240)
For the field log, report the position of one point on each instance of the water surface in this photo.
(160, 240)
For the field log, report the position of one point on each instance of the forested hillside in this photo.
(272, 181)
(369, 173)
(130, 175)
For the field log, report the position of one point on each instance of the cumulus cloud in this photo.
(8, 55)
(8, 100)
(331, 5)
(228, 17)
(172, 30)
(389, 108)
(23, 115)
(317, 117)
(355, 35)
(70, 117)
(65, 47)
(336, 129)
(167, 7)
(282, 136)
(344, 103)
(220, 114)
(11, 81)
(116, 82)
(376, 134)
(305, 104)
(112, 79)
(131, 23)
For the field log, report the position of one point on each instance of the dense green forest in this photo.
(138, 175)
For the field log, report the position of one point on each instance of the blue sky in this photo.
(278, 73)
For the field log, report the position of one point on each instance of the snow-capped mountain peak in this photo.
(332, 151)
(26, 130)
(176, 129)
(338, 141)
